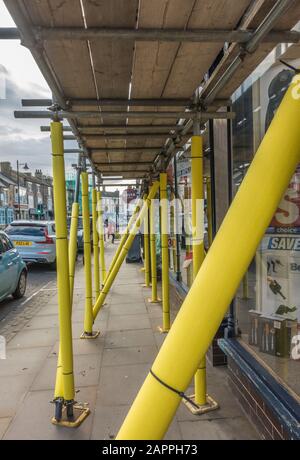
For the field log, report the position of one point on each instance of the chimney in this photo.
(38, 173)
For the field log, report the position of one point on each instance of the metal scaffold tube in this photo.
(135, 227)
(213, 289)
(88, 314)
(164, 235)
(64, 393)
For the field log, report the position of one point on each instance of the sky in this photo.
(21, 78)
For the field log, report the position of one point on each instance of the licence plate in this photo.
(23, 243)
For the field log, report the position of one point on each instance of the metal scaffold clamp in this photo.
(69, 414)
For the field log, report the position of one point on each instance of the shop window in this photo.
(2, 217)
(268, 300)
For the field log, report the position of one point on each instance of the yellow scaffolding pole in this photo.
(164, 253)
(153, 219)
(111, 277)
(73, 247)
(95, 244)
(202, 402)
(198, 245)
(207, 301)
(64, 393)
(101, 237)
(88, 313)
(72, 264)
(146, 248)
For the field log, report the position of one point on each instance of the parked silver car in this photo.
(35, 240)
(13, 271)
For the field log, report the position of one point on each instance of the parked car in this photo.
(35, 240)
(13, 271)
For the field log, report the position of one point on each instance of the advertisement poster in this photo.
(275, 321)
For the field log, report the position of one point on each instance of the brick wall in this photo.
(259, 413)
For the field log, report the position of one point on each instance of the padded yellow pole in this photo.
(72, 263)
(111, 277)
(73, 246)
(88, 313)
(64, 390)
(153, 219)
(207, 301)
(125, 235)
(101, 237)
(146, 248)
(95, 244)
(164, 253)
(198, 244)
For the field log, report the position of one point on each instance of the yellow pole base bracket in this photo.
(162, 330)
(81, 412)
(143, 269)
(146, 285)
(158, 300)
(90, 336)
(195, 409)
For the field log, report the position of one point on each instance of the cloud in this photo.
(21, 139)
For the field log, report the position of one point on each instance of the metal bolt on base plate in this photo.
(80, 412)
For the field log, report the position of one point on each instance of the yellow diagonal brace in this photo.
(111, 277)
(125, 235)
(220, 275)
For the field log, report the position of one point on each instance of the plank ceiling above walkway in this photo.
(122, 68)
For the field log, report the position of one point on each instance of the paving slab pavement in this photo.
(108, 371)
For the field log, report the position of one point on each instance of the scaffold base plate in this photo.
(154, 301)
(211, 406)
(80, 414)
(86, 336)
(162, 330)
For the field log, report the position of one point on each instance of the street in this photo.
(41, 286)
(38, 277)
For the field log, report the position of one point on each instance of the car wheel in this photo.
(21, 287)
